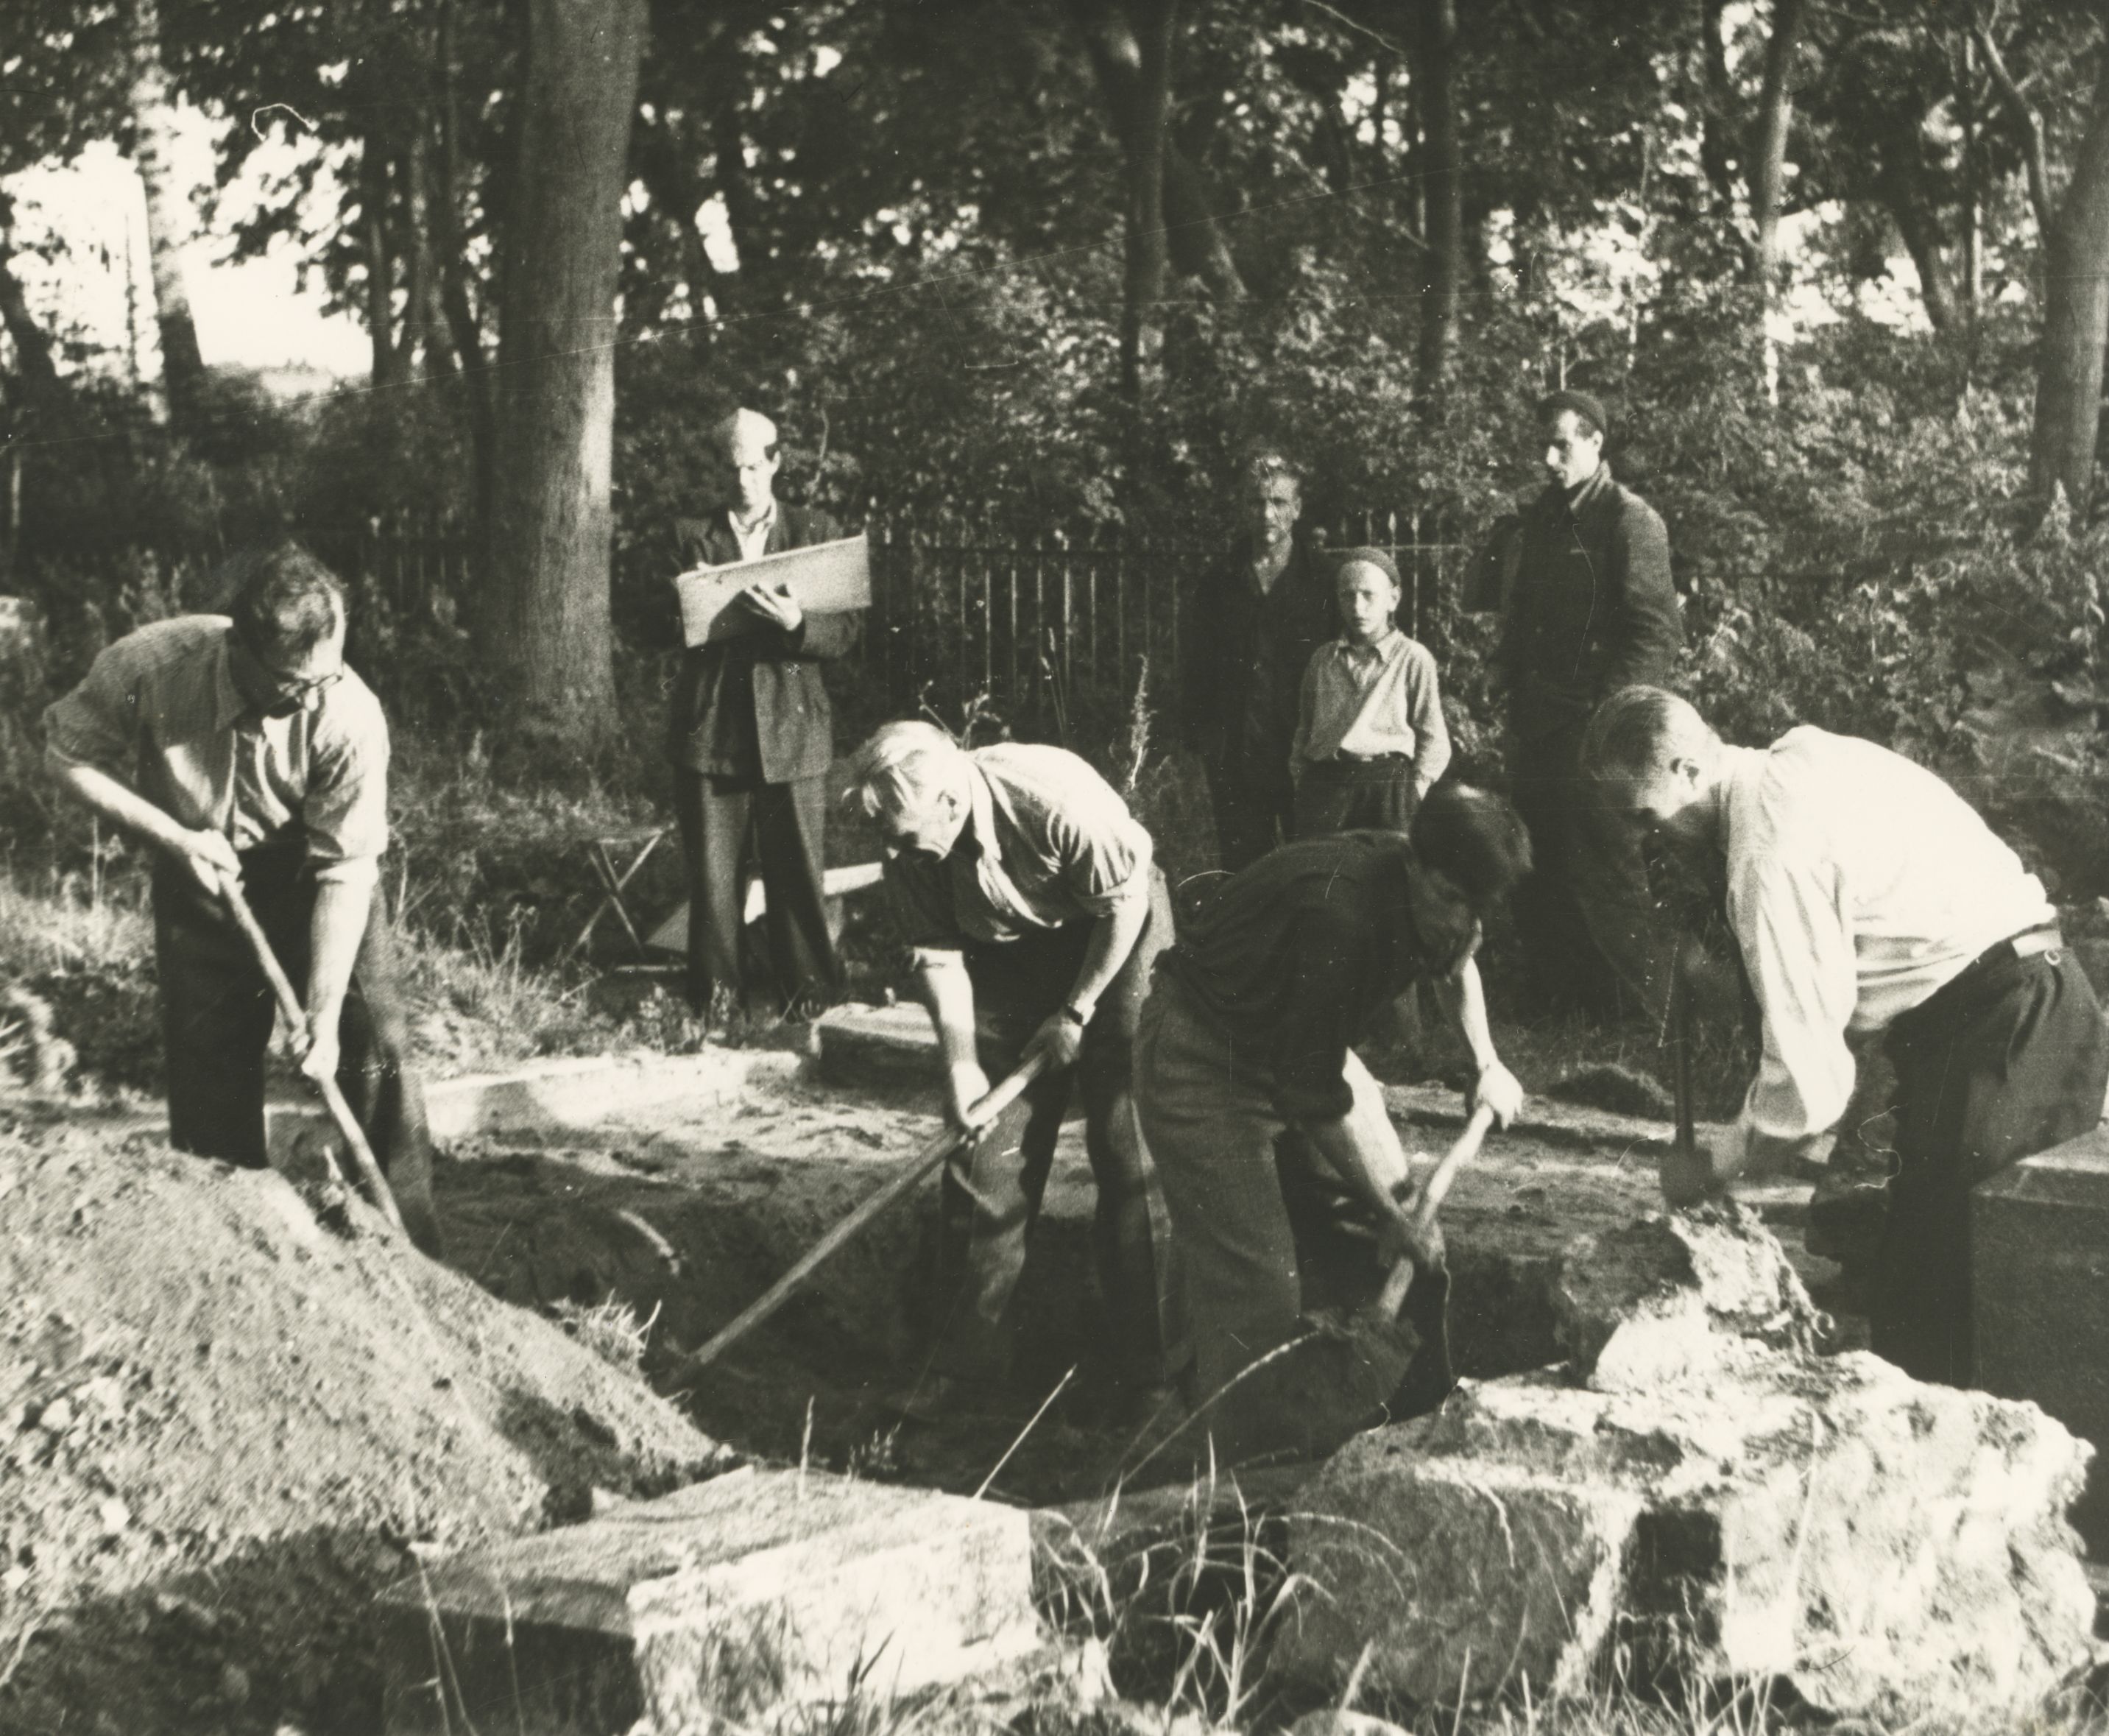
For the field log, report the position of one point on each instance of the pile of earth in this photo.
(226, 1417)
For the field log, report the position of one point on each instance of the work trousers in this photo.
(1591, 934)
(1217, 1140)
(783, 826)
(1342, 795)
(2008, 1059)
(218, 1011)
(992, 1192)
(1254, 808)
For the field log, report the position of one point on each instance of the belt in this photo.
(1369, 759)
(2044, 940)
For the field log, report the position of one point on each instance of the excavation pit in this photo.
(686, 1201)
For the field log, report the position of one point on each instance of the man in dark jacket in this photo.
(750, 736)
(1591, 609)
(1257, 616)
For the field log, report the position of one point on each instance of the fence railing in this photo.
(1048, 627)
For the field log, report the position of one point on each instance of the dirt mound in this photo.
(223, 1427)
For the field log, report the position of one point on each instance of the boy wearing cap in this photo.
(1371, 741)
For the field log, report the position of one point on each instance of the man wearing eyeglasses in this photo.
(240, 747)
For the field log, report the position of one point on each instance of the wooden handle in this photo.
(940, 1146)
(289, 1004)
(1399, 1279)
(1681, 1061)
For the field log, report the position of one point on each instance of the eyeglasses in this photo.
(295, 687)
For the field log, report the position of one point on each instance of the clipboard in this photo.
(828, 578)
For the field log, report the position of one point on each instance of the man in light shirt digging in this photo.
(1866, 896)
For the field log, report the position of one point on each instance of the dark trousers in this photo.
(217, 1012)
(992, 1193)
(2009, 1060)
(1592, 936)
(1255, 810)
(783, 826)
(1341, 795)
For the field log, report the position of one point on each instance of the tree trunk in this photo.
(464, 326)
(1904, 194)
(168, 220)
(2068, 409)
(1715, 155)
(1434, 74)
(32, 344)
(547, 574)
(1769, 144)
(379, 262)
(1130, 48)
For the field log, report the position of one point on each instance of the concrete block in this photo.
(2039, 1291)
(725, 1601)
(881, 1046)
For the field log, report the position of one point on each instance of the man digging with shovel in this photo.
(256, 764)
(1033, 909)
(1247, 1035)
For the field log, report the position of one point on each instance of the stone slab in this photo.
(856, 1045)
(725, 1601)
(2039, 1289)
(572, 1095)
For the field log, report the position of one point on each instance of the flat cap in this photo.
(1587, 405)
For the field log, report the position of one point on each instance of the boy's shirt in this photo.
(1365, 700)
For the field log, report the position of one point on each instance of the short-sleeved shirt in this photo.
(1047, 842)
(160, 711)
(1295, 954)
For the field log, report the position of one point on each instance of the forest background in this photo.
(1016, 274)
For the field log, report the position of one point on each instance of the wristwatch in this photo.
(1076, 1015)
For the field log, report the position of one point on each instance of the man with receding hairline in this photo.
(1865, 895)
(242, 749)
(751, 737)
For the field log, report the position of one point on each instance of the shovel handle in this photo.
(333, 1099)
(1399, 1279)
(941, 1145)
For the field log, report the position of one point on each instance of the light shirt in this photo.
(1364, 700)
(159, 710)
(1858, 883)
(1046, 842)
(753, 540)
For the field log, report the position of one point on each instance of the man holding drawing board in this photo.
(750, 734)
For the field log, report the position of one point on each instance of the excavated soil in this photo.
(224, 1424)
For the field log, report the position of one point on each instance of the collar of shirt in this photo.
(1374, 655)
(1589, 488)
(754, 536)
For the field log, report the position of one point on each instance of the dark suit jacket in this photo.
(1591, 607)
(1243, 654)
(755, 707)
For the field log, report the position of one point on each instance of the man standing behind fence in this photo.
(1591, 609)
(1255, 620)
(750, 736)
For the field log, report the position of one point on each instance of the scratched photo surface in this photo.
(1079, 867)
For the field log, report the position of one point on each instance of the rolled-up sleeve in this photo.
(97, 723)
(1102, 855)
(345, 811)
(1788, 912)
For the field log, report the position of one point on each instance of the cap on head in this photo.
(1588, 409)
(1376, 557)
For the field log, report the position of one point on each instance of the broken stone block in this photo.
(1661, 1299)
(877, 1045)
(725, 1601)
(2039, 1296)
(1747, 1511)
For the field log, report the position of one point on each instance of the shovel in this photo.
(1426, 1305)
(940, 1146)
(375, 1183)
